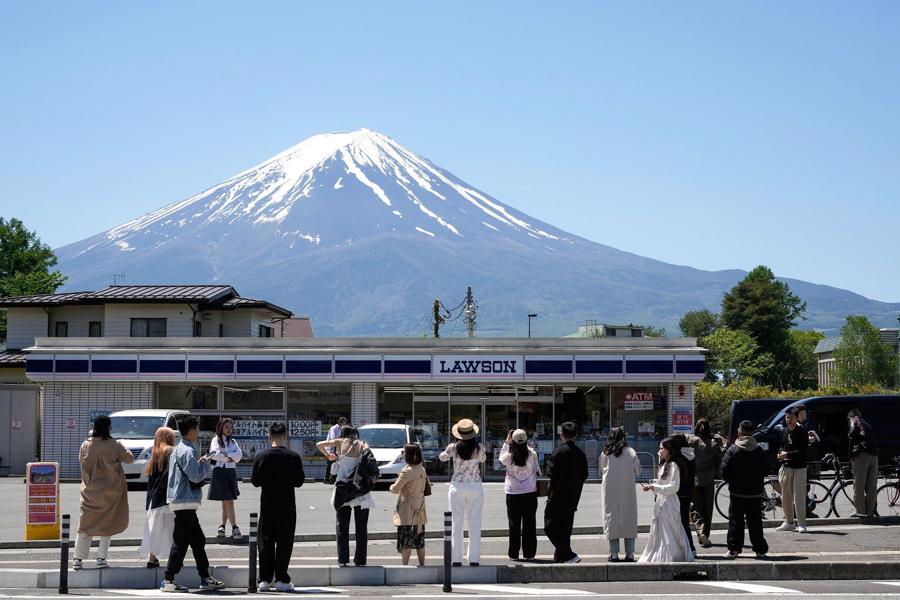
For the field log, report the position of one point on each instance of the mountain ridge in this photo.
(362, 234)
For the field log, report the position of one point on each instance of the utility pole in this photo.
(438, 319)
(471, 309)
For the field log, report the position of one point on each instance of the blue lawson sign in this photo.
(467, 366)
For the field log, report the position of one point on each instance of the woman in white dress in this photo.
(160, 522)
(619, 466)
(668, 541)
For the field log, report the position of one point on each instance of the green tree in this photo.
(654, 332)
(860, 357)
(698, 323)
(734, 356)
(765, 308)
(25, 265)
(801, 371)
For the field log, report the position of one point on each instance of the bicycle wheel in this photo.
(842, 500)
(723, 499)
(818, 500)
(772, 508)
(888, 500)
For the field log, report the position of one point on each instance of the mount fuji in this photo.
(362, 235)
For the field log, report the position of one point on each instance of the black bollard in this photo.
(64, 555)
(448, 551)
(251, 584)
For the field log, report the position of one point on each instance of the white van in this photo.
(136, 428)
(386, 443)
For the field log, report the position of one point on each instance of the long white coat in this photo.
(619, 494)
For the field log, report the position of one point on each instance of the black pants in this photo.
(276, 543)
(361, 519)
(741, 510)
(685, 502)
(187, 533)
(521, 511)
(704, 502)
(558, 527)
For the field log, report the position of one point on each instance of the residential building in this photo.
(825, 352)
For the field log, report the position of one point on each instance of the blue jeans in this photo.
(629, 546)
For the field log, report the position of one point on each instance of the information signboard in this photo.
(42, 501)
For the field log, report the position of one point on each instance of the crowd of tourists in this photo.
(684, 491)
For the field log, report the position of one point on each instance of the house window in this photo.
(635, 333)
(95, 329)
(61, 329)
(221, 330)
(266, 331)
(198, 328)
(148, 328)
(610, 332)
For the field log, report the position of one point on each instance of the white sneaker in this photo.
(284, 587)
(76, 564)
(171, 586)
(785, 527)
(801, 529)
(574, 559)
(101, 563)
(264, 586)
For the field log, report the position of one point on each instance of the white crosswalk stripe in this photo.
(531, 590)
(752, 588)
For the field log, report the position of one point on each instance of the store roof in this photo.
(12, 359)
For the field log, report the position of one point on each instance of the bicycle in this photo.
(840, 494)
(888, 494)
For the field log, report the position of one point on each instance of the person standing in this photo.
(187, 474)
(333, 434)
(668, 540)
(619, 466)
(520, 485)
(354, 464)
(864, 458)
(688, 473)
(792, 474)
(708, 451)
(466, 494)
(568, 470)
(278, 471)
(224, 455)
(160, 522)
(744, 469)
(410, 516)
(103, 506)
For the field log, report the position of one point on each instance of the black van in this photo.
(827, 415)
(756, 410)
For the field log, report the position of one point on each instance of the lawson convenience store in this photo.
(643, 384)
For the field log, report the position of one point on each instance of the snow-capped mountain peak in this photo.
(295, 192)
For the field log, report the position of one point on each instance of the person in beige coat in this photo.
(619, 466)
(104, 493)
(410, 516)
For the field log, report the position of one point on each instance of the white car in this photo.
(386, 442)
(136, 428)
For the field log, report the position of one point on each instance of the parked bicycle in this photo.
(888, 494)
(837, 498)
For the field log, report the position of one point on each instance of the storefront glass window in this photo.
(395, 404)
(643, 412)
(536, 418)
(312, 409)
(588, 407)
(186, 396)
(252, 397)
(432, 416)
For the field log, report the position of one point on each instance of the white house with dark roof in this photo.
(825, 352)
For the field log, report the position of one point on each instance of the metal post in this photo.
(251, 584)
(64, 555)
(448, 551)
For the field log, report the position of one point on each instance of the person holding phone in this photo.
(668, 542)
(522, 471)
(864, 458)
(224, 455)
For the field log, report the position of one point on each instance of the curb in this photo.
(435, 535)
(237, 577)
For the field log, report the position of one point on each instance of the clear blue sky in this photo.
(716, 135)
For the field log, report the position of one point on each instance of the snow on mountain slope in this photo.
(362, 234)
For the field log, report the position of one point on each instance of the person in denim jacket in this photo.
(185, 493)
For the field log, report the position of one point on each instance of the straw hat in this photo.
(466, 429)
(519, 436)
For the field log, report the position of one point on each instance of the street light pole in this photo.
(533, 315)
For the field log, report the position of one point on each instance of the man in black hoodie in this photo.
(568, 469)
(864, 458)
(792, 474)
(744, 469)
(277, 471)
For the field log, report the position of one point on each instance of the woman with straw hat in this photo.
(466, 494)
